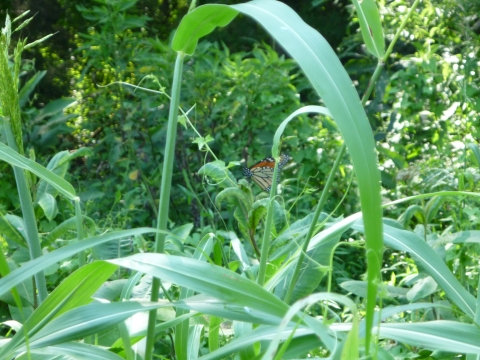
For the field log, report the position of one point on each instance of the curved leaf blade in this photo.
(432, 263)
(200, 22)
(371, 26)
(329, 78)
(41, 263)
(441, 335)
(15, 159)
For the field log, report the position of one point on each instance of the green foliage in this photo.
(233, 247)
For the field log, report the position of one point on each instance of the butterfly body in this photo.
(262, 172)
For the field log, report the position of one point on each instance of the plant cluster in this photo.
(154, 135)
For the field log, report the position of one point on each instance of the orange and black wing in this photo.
(262, 172)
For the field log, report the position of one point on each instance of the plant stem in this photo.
(80, 232)
(165, 188)
(266, 234)
(29, 219)
(399, 30)
(318, 211)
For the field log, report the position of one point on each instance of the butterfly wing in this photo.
(262, 172)
(263, 177)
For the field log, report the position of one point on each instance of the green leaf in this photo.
(351, 347)
(359, 288)
(470, 236)
(15, 159)
(327, 75)
(450, 336)
(202, 252)
(54, 107)
(49, 205)
(313, 270)
(86, 320)
(63, 228)
(432, 263)
(257, 213)
(76, 290)
(198, 23)
(58, 166)
(263, 332)
(205, 278)
(422, 288)
(29, 87)
(10, 230)
(476, 151)
(240, 294)
(75, 350)
(225, 309)
(219, 173)
(202, 141)
(371, 26)
(113, 249)
(41, 263)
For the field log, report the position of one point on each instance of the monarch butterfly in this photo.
(262, 172)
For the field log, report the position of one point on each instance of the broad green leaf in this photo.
(86, 320)
(297, 307)
(351, 347)
(476, 151)
(371, 26)
(291, 239)
(359, 288)
(241, 293)
(424, 287)
(182, 350)
(76, 290)
(12, 232)
(15, 159)
(312, 272)
(218, 173)
(205, 278)
(433, 207)
(41, 263)
(413, 210)
(328, 77)
(225, 309)
(304, 344)
(441, 335)
(257, 212)
(263, 332)
(29, 87)
(240, 329)
(180, 232)
(113, 249)
(59, 166)
(390, 311)
(49, 205)
(55, 106)
(432, 263)
(159, 328)
(470, 236)
(327, 235)
(64, 227)
(198, 23)
(77, 350)
(239, 250)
